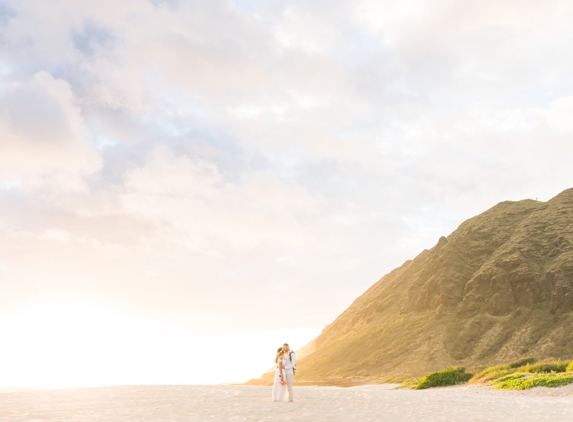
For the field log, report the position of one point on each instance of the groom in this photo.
(290, 363)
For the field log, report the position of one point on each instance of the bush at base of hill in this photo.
(521, 362)
(549, 380)
(506, 378)
(546, 367)
(511, 376)
(525, 365)
(449, 376)
(496, 372)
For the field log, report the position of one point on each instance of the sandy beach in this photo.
(242, 403)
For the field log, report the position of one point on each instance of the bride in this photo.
(279, 386)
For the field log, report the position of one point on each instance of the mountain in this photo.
(498, 288)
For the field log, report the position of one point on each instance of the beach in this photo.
(246, 403)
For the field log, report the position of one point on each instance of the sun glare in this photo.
(73, 343)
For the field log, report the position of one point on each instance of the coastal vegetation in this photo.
(522, 374)
(449, 376)
(523, 383)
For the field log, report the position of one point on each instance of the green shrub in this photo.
(546, 367)
(501, 373)
(521, 362)
(445, 377)
(548, 380)
(506, 378)
(491, 373)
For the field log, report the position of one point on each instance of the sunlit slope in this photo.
(498, 288)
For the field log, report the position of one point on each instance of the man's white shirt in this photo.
(288, 364)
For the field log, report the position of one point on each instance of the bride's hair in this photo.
(279, 353)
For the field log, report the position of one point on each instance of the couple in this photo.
(286, 367)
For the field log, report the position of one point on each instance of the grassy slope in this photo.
(495, 289)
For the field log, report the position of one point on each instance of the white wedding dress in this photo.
(278, 389)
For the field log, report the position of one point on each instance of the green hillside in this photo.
(496, 289)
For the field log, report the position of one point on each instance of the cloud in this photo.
(209, 215)
(313, 33)
(558, 113)
(43, 139)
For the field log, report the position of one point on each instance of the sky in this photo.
(186, 185)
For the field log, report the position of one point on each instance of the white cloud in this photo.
(43, 140)
(207, 213)
(302, 30)
(166, 175)
(57, 235)
(558, 115)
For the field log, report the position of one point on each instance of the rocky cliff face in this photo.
(497, 288)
